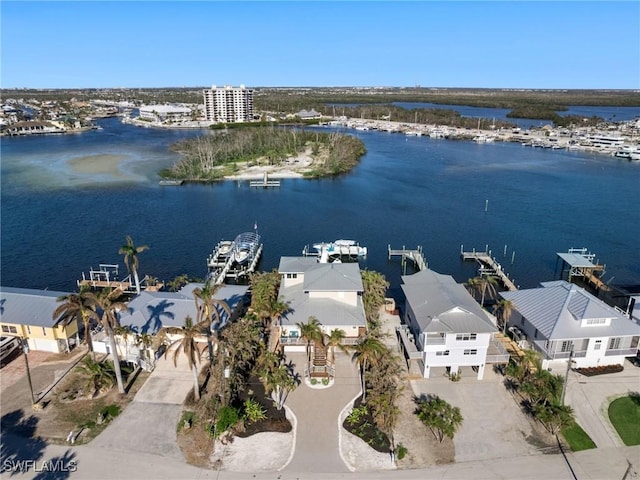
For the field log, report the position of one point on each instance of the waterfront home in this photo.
(28, 314)
(562, 320)
(164, 113)
(330, 292)
(445, 328)
(148, 312)
(32, 127)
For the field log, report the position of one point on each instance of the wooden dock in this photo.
(264, 183)
(516, 353)
(489, 266)
(416, 256)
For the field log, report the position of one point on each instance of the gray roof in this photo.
(333, 277)
(557, 309)
(442, 305)
(328, 312)
(25, 306)
(296, 264)
(150, 311)
(576, 260)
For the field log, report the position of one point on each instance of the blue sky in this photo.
(504, 44)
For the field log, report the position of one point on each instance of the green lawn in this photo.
(577, 438)
(624, 414)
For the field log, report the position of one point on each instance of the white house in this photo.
(148, 312)
(330, 292)
(447, 328)
(561, 319)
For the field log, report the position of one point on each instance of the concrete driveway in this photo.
(149, 422)
(493, 425)
(590, 398)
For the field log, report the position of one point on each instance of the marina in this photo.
(234, 259)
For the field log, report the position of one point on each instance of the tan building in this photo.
(228, 104)
(27, 314)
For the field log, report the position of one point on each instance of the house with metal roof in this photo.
(330, 292)
(148, 312)
(564, 322)
(28, 314)
(445, 328)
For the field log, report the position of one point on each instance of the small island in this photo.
(250, 153)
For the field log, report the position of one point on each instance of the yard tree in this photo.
(187, 344)
(366, 352)
(440, 417)
(78, 306)
(311, 332)
(130, 252)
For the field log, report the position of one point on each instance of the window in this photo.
(614, 343)
(8, 329)
(471, 351)
(596, 321)
(292, 275)
(466, 337)
(44, 331)
(442, 352)
(566, 346)
(28, 329)
(535, 334)
(597, 345)
(522, 321)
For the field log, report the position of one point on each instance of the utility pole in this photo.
(566, 377)
(25, 351)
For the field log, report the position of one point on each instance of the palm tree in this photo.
(333, 340)
(99, 375)
(504, 308)
(130, 252)
(311, 332)
(123, 332)
(187, 344)
(482, 285)
(367, 351)
(108, 301)
(78, 306)
(208, 310)
(375, 290)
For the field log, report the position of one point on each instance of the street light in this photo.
(25, 350)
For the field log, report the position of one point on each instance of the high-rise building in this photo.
(228, 104)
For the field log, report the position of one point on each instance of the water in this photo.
(56, 223)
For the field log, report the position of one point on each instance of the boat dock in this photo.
(265, 182)
(489, 266)
(107, 277)
(579, 262)
(236, 259)
(416, 256)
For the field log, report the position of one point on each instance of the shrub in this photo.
(401, 451)
(253, 411)
(227, 417)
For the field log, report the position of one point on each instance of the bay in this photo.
(57, 222)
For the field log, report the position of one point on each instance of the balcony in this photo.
(435, 339)
(496, 353)
(626, 352)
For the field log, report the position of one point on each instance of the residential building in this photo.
(228, 104)
(446, 329)
(562, 320)
(149, 311)
(165, 113)
(28, 314)
(329, 292)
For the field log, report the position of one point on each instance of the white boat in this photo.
(337, 251)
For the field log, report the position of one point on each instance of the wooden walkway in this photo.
(514, 350)
(488, 266)
(416, 256)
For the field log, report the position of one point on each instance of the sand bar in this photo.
(101, 164)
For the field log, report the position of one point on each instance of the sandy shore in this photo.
(292, 167)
